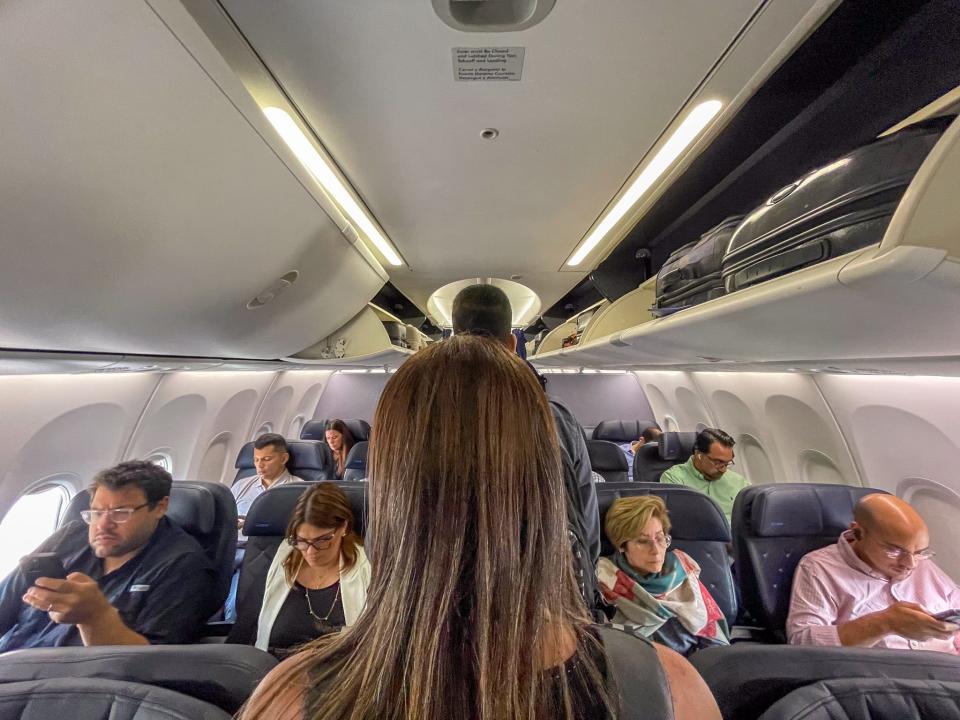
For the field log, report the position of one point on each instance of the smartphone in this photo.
(950, 616)
(38, 565)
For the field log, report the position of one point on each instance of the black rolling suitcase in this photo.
(841, 207)
(692, 274)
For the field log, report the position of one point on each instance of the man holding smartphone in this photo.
(130, 576)
(877, 587)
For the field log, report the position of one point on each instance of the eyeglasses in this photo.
(117, 515)
(320, 543)
(895, 553)
(660, 541)
(718, 464)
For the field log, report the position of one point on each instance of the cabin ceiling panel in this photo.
(600, 82)
(140, 210)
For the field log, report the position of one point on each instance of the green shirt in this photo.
(724, 489)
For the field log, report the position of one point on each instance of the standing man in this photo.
(708, 469)
(485, 310)
(132, 576)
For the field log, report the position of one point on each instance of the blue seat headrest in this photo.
(606, 456)
(676, 446)
(693, 515)
(270, 513)
(357, 458)
(315, 429)
(305, 454)
(191, 507)
(799, 509)
(621, 431)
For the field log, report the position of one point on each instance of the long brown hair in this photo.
(324, 506)
(345, 445)
(472, 576)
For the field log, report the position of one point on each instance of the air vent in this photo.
(492, 15)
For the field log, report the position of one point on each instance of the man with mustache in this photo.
(132, 576)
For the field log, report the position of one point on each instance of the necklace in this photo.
(326, 617)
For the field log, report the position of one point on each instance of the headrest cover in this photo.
(245, 457)
(800, 509)
(193, 508)
(693, 515)
(224, 675)
(606, 456)
(308, 455)
(621, 431)
(357, 458)
(677, 446)
(270, 513)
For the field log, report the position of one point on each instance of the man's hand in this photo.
(912, 621)
(240, 522)
(74, 601)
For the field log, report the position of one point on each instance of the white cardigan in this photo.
(353, 591)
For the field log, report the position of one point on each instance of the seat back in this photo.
(699, 529)
(316, 429)
(774, 526)
(266, 527)
(608, 460)
(310, 460)
(747, 678)
(877, 699)
(676, 447)
(94, 699)
(621, 431)
(647, 465)
(355, 468)
(217, 674)
(205, 510)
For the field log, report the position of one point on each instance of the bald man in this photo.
(877, 587)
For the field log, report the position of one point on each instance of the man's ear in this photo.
(857, 530)
(513, 343)
(163, 505)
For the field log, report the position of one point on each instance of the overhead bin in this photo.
(869, 310)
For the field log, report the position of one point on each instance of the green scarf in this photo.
(671, 576)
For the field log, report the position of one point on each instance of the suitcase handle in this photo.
(783, 263)
(783, 192)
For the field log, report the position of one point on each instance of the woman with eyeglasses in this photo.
(655, 590)
(318, 580)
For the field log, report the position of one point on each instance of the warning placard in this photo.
(487, 63)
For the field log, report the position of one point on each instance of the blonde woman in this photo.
(655, 589)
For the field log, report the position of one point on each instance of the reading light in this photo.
(694, 123)
(304, 150)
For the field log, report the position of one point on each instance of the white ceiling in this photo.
(601, 81)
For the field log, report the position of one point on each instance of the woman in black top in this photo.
(473, 611)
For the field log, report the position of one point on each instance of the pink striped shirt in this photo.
(833, 586)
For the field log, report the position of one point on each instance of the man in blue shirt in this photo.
(133, 577)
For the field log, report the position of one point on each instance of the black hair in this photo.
(268, 439)
(651, 433)
(708, 436)
(152, 479)
(482, 310)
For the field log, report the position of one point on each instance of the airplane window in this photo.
(30, 521)
(265, 428)
(163, 460)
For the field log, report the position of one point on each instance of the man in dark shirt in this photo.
(133, 577)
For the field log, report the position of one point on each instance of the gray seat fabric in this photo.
(774, 526)
(676, 447)
(621, 431)
(699, 529)
(315, 429)
(205, 510)
(647, 465)
(859, 699)
(355, 469)
(747, 678)
(310, 460)
(217, 674)
(608, 460)
(92, 699)
(265, 527)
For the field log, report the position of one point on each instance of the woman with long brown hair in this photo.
(473, 610)
(318, 579)
(341, 441)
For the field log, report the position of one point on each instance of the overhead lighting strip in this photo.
(689, 129)
(321, 171)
